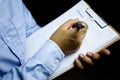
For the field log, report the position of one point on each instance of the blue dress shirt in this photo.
(16, 24)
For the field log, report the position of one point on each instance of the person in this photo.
(16, 24)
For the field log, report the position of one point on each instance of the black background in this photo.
(45, 11)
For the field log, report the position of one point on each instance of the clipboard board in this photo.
(100, 35)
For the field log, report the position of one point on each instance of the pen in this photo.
(79, 25)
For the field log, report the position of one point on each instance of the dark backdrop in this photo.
(108, 68)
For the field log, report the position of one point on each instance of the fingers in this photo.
(79, 64)
(81, 27)
(82, 31)
(93, 56)
(85, 27)
(86, 59)
(105, 52)
(68, 24)
(82, 61)
(97, 56)
(79, 33)
(90, 58)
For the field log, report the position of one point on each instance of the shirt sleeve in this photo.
(40, 66)
(43, 63)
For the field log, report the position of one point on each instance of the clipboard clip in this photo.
(96, 18)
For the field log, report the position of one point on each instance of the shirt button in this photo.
(56, 62)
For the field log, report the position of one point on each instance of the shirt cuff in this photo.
(50, 55)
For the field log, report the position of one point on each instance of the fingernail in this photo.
(81, 55)
(108, 52)
(89, 53)
(77, 60)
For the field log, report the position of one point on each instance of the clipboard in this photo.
(100, 35)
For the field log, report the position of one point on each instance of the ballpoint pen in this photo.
(78, 25)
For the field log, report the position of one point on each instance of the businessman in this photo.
(16, 24)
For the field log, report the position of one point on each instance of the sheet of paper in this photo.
(98, 35)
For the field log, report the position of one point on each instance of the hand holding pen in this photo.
(69, 35)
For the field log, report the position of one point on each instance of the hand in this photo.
(90, 57)
(68, 38)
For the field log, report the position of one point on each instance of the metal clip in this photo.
(95, 17)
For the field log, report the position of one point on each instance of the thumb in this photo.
(68, 24)
(83, 29)
(79, 28)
